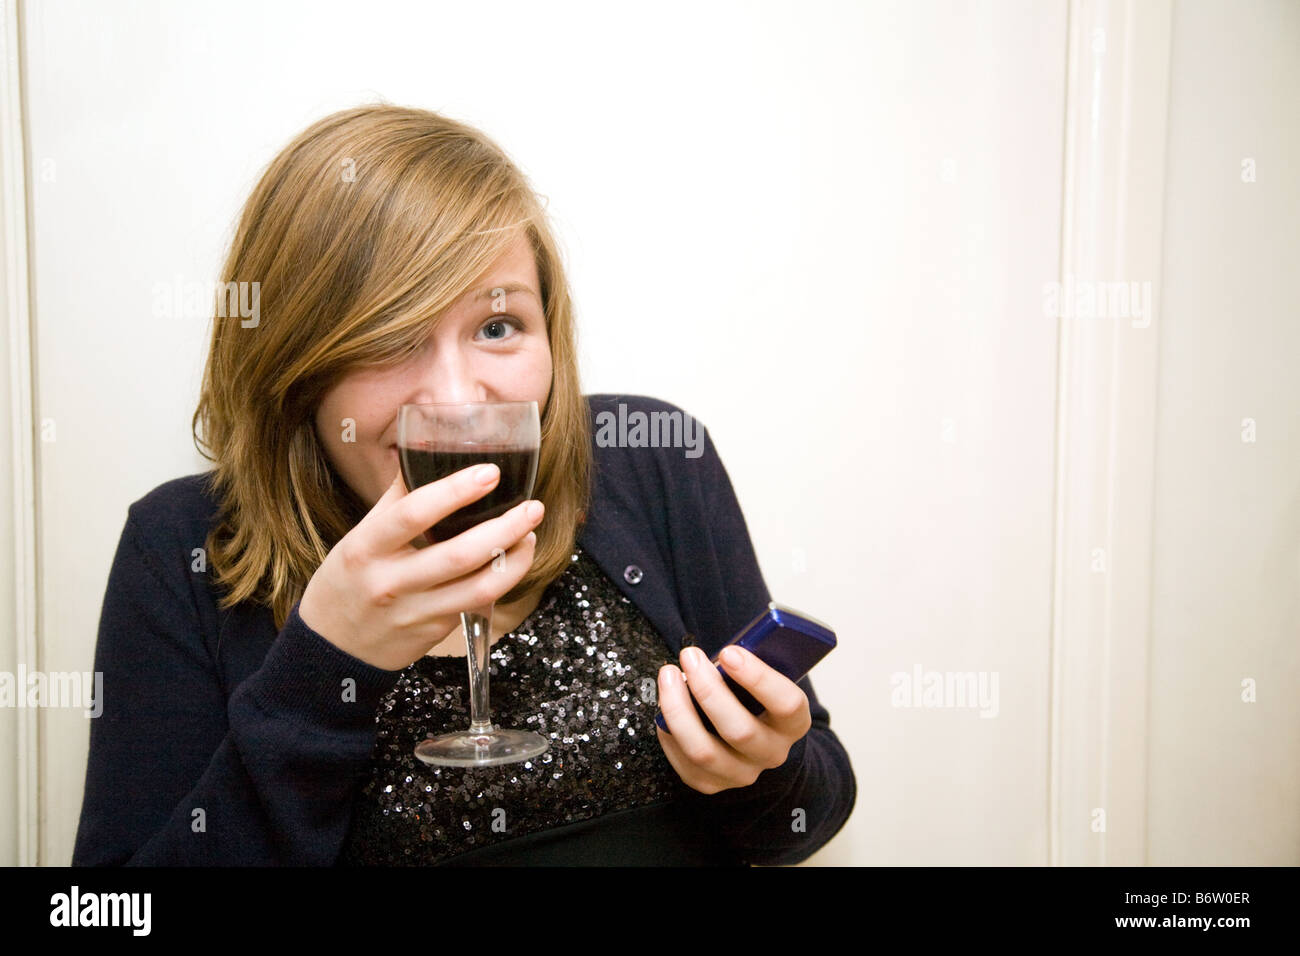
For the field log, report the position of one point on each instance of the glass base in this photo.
(468, 749)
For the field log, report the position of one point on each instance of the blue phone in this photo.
(785, 640)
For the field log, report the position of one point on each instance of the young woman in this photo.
(276, 638)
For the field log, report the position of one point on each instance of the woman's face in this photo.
(486, 348)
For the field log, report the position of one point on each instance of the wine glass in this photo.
(434, 441)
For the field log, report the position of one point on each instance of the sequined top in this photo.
(580, 670)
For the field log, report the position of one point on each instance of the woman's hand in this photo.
(386, 602)
(747, 745)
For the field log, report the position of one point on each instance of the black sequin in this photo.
(581, 670)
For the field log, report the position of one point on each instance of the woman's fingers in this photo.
(784, 702)
(710, 759)
(744, 745)
(692, 775)
(476, 590)
(390, 525)
(744, 732)
(466, 553)
(385, 602)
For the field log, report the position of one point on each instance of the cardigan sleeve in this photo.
(793, 810)
(180, 774)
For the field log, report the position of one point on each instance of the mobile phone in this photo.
(785, 639)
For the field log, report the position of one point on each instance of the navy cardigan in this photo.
(222, 742)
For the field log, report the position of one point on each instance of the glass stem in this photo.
(478, 638)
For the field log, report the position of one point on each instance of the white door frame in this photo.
(1117, 99)
(19, 619)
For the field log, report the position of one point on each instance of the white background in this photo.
(823, 228)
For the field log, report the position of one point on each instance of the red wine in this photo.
(423, 465)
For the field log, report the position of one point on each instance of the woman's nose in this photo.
(450, 379)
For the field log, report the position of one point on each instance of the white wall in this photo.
(1225, 774)
(837, 217)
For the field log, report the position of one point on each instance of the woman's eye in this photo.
(499, 329)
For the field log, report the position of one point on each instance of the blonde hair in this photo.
(370, 222)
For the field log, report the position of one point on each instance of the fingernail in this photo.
(733, 658)
(485, 473)
(533, 510)
(696, 657)
(531, 537)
